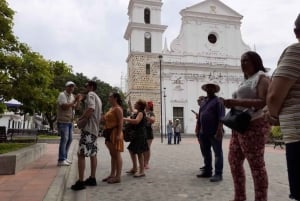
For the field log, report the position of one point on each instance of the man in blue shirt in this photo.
(210, 130)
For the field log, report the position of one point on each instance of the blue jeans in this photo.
(170, 136)
(293, 167)
(65, 131)
(177, 138)
(208, 142)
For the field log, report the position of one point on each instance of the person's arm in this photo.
(130, 106)
(90, 107)
(277, 93)
(87, 113)
(65, 105)
(119, 113)
(221, 114)
(137, 120)
(151, 119)
(258, 103)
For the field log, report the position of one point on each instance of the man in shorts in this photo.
(88, 138)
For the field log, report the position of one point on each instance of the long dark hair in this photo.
(256, 61)
(118, 98)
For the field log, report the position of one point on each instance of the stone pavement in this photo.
(172, 176)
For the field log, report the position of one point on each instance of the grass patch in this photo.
(48, 136)
(9, 147)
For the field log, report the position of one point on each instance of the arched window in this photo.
(147, 42)
(147, 15)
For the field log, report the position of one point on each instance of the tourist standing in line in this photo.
(66, 102)
(283, 102)
(138, 145)
(197, 130)
(88, 138)
(149, 130)
(113, 120)
(210, 130)
(170, 131)
(251, 95)
(177, 130)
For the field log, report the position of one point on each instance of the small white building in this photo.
(207, 49)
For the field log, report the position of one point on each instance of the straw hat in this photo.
(216, 86)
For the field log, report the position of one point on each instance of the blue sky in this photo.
(89, 34)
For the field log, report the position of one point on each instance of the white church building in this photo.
(207, 49)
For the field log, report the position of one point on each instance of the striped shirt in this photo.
(289, 66)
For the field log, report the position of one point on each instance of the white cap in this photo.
(70, 83)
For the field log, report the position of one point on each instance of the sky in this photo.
(89, 34)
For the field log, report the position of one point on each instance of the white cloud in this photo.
(89, 34)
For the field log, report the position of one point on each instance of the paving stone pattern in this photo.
(172, 176)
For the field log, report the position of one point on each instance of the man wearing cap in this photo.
(210, 130)
(283, 101)
(65, 105)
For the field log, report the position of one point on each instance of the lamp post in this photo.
(160, 92)
(165, 112)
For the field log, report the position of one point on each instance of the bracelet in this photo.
(274, 118)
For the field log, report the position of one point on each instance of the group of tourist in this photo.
(174, 129)
(272, 101)
(142, 118)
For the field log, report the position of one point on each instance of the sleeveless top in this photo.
(248, 90)
(111, 122)
(143, 122)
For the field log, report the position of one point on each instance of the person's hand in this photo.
(79, 97)
(118, 137)
(268, 117)
(219, 134)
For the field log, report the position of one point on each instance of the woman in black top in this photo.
(139, 144)
(149, 131)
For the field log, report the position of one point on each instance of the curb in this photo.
(58, 186)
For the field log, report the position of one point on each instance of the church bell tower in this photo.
(144, 35)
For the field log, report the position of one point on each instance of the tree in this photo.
(28, 77)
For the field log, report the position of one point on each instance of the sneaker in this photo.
(216, 178)
(63, 163)
(79, 185)
(90, 182)
(204, 175)
(68, 161)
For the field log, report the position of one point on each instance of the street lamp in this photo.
(165, 112)
(160, 91)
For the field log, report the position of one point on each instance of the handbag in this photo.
(237, 120)
(107, 132)
(129, 132)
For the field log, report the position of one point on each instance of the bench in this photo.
(17, 134)
(278, 142)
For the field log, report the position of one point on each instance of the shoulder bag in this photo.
(237, 120)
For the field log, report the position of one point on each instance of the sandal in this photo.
(139, 175)
(107, 178)
(114, 180)
(132, 171)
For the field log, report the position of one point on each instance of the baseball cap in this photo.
(69, 83)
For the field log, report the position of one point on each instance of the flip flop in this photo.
(132, 171)
(138, 175)
(107, 178)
